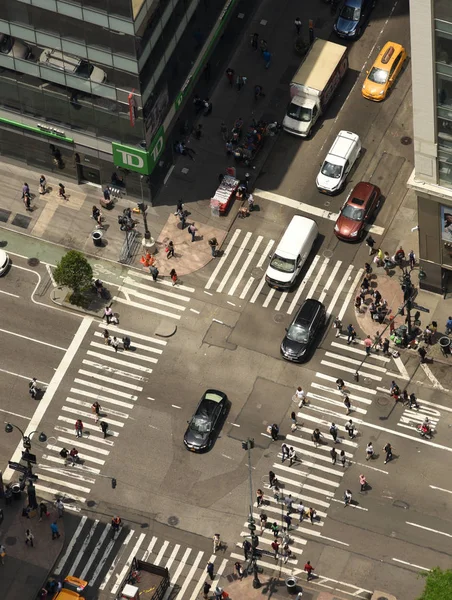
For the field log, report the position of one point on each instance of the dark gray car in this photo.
(303, 331)
(204, 425)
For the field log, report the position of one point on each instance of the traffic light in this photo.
(251, 524)
(113, 482)
(248, 444)
(254, 541)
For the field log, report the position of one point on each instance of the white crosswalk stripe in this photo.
(112, 381)
(93, 554)
(241, 272)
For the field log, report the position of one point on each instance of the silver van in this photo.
(71, 64)
(291, 253)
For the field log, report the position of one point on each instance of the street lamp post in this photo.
(26, 440)
(408, 290)
(248, 445)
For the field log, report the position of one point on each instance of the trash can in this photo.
(291, 585)
(16, 491)
(444, 343)
(97, 238)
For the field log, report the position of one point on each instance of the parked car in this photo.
(303, 331)
(204, 425)
(358, 209)
(353, 18)
(384, 72)
(338, 163)
(73, 65)
(12, 47)
(4, 262)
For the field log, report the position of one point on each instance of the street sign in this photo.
(421, 308)
(15, 466)
(31, 458)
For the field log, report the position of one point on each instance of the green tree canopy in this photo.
(74, 272)
(438, 585)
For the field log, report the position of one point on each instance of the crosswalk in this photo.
(92, 554)
(115, 380)
(240, 272)
(160, 297)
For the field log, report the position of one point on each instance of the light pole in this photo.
(26, 440)
(248, 445)
(408, 290)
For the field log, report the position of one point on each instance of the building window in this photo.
(443, 42)
(442, 9)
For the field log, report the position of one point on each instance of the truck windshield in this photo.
(330, 170)
(378, 75)
(300, 113)
(350, 13)
(286, 265)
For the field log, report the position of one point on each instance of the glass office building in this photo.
(93, 87)
(431, 63)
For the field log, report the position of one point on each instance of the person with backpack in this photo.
(333, 432)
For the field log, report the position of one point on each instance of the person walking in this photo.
(316, 435)
(287, 553)
(246, 549)
(95, 408)
(288, 521)
(362, 482)
(154, 272)
(312, 514)
(275, 548)
(284, 452)
(230, 76)
(337, 324)
(288, 501)
(267, 58)
(340, 385)
(388, 449)
(192, 231)
(115, 343)
(348, 405)
(173, 276)
(292, 456)
(347, 497)
(62, 191)
(182, 218)
(107, 338)
(293, 417)
(275, 529)
(60, 507)
(297, 24)
(42, 510)
(300, 396)
(25, 190)
(333, 432)
(170, 249)
(2, 554)
(29, 537)
(224, 131)
(274, 431)
(263, 518)
(369, 451)
(422, 354)
(308, 569)
(271, 478)
(206, 590)
(104, 428)
(350, 429)
(126, 343)
(108, 314)
(449, 326)
(42, 185)
(54, 530)
(78, 428)
(239, 570)
(254, 40)
(368, 344)
(333, 455)
(351, 334)
(213, 246)
(412, 259)
(209, 569)
(301, 510)
(342, 458)
(259, 497)
(370, 244)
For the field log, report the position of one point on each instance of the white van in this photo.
(292, 251)
(72, 64)
(338, 163)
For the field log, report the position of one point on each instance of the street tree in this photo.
(75, 272)
(438, 585)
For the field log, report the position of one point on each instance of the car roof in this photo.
(383, 63)
(308, 310)
(362, 191)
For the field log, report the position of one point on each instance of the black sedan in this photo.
(206, 422)
(353, 18)
(303, 331)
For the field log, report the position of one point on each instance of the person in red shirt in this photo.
(309, 568)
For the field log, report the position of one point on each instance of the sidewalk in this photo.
(25, 569)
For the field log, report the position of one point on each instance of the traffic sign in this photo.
(15, 466)
(421, 308)
(31, 458)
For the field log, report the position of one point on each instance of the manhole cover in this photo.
(382, 401)
(33, 262)
(327, 253)
(173, 521)
(278, 317)
(4, 215)
(327, 203)
(90, 503)
(406, 140)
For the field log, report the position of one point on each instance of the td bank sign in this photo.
(136, 159)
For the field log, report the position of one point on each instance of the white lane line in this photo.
(352, 361)
(433, 380)
(84, 458)
(76, 467)
(429, 529)
(336, 392)
(319, 276)
(145, 307)
(311, 488)
(101, 563)
(108, 390)
(130, 292)
(111, 411)
(330, 281)
(399, 363)
(8, 412)
(56, 492)
(110, 379)
(308, 442)
(440, 489)
(352, 505)
(153, 289)
(118, 361)
(134, 335)
(159, 556)
(367, 466)
(440, 407)
(352, 386)
(352, 348)
(335, 403)
(51, 390)
(68, 484)
(216, 581)
(303, 284)
(350, 370)
(34, 340)
(172, 558)
(120, 576)
(124, 353)
(116, 560)
(101, 399)
(83, 445)
(343, 441)
(258, 290)
(403, 562)
(245, 265)
(94, 552)
(245, 290)
(189, 577)
(271, 566)
(9, 294)
(177, 573)
(149, 549)
(281, 301)
(234, 262)
(91, 435)
(265, 255)
(87, 416)
(83, 548)
(70, 547)
(349, 295)
(159, 281)
(134, 345)
(296, 469)
(313, 211)
(270, 295)
(223, 259)
(68, 472)
(339, 289)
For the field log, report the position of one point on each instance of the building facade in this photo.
(431, 63)
(92, 88)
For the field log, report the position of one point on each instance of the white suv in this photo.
(338, 163)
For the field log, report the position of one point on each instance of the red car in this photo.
(357, 210)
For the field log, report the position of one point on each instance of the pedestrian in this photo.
(342, 458)
(267, 58)
(104, 428)
(284, 452)
(275, 547)
(54, 530)
(173, 276)
(358, 304)
(192, 231)
(271, 478)
(263, 517)
(369, 451)
(288, 501)
(259, 497)
(78, 428)
(224, 132)
(301, 510)
(350, 428)
(362, 482)
(246, 549)
(337, 324)
(309, 568)
(333, 432)
(182, 218)
(230, 76)
(95, 408)
(240, 82)
(388, 449)
(368, 344)
(25, 190)
(316, 435)
(351, 334)
(288, 521)
(340, 385)
(213, 246)
(42, 184)
(126, 342)
(275, 529)
(254, 40)
(207, 107)
(348, 405)
(2, 554)
(274, 431)
(385, 346)
(33, 387)
(297, 24)
(263, 46)
(377, 341)
(108, 313)
(115, 343)
(293, 417)
(154, 272)
(292, 456)
(169, 249)
(370, 243)
(206, 589)
(42, 510)
(347, 497)
(412, 259)
(422, 354)
(312, 514)
(60, 507)
(239, 570)
(29, 537)
(449, 326)
(209, 569)
(62, 191)
(300, 396)
(333, 455)
(107, 338)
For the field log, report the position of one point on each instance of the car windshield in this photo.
(201, 424)
(330, 170)
(353, 213)
(6, 44)
(300, 113)
(84, 69)
(286, 265)
(298, 333)
(350, 13)
(378, 75)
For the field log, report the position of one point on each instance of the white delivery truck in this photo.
(313, 85)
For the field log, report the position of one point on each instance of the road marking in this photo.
(153, 289)
(93, 553)
(429, 529)
(336, 392)
(190, 575)
(52, 278)
(339, 289)
(330, 280)
(125, 384)
(147, 308)
(118, 361)
(103, 388)
(258, 290)
(352, 361)
(307, 208)
(129, 292)
(433, 380)
(440, 489)
(138, 336)
(352, 386)
(350, 505)
(197, 312)
(161, 281)
(303, 284)
(83, 445)
(97, 397)
(158, 558)
(352, 348)
(148, 552)
(101, 563)
(235, 260)
(70, 547)
(29, 339)
(335, 403)
(270, 295)
(86, 415)
(350, 370)
(177, 573)
(245, 265)
(318, 278)
(223, 259)
(367, 466)
(350, 294)
(127, 353)
(120, 576)
(9, 294)
(133, 345)
(403, 562)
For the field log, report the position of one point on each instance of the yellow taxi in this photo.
(71, 588)
(384, 71)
